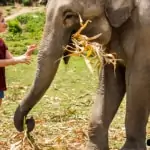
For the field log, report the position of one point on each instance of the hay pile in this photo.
(92, 52)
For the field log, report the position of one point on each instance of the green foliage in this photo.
(27, 2)
(23, 19)
(24, 30)
(32, 22)
(14, 27)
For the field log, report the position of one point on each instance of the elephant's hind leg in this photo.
(109, 96)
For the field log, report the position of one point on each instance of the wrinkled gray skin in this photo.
(125, 28)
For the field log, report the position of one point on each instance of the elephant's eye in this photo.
(70, 18)
(69, 15)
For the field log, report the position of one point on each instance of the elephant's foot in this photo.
(92, 146)
(130, 145)
(98, 137)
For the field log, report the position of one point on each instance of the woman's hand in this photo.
(26, 58)
(30, 49)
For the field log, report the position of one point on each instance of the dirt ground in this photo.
(10, 12)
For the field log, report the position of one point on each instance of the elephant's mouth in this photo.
(66, 54)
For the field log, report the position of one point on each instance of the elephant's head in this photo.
(62, 20)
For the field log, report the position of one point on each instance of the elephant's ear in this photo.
(118, 11)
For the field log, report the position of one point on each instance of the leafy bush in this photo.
(14, 27)
(23, 19)
(32, 22)
(31, 25)
(27, 2)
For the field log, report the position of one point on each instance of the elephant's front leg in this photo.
(138, 104)
(109, 96)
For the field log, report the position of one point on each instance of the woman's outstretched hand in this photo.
(26, 58)
(30, 49)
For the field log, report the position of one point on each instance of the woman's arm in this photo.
(7, 62)
(10, 60)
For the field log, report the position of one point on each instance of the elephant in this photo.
(125, 28)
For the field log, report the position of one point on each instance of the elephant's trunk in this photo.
(48, 62)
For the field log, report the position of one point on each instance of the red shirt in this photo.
(3, 49)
